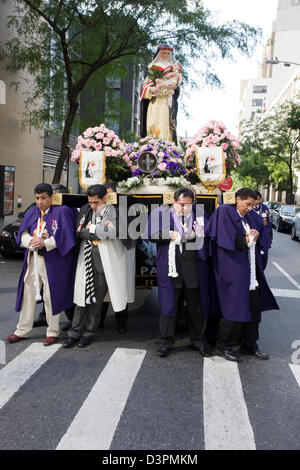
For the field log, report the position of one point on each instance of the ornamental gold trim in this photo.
(168, 198)
(111, 198)
(229, 197)
(57, 199)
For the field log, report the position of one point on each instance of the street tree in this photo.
(276, 139)
(253, 171)
(64, 43)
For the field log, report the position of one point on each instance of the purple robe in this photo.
(166, 292)
(232, 268)
(266, 234)
(60, 262)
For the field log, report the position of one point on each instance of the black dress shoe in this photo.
(121, 328)
(70, 342)
(84, 341)
(204, 352)
(164, 350)
(259, 354)
(228, 354)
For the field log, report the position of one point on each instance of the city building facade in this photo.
(21, 147)
(275, 83)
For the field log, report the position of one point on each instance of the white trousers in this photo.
(27, 312)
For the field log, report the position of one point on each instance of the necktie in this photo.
(41, 222)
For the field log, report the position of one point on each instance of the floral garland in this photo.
(170, 159)
(98, 138)
(134, 182)
(213, 134)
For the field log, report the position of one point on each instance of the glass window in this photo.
(257, 103)
(287, 210)
(260, 89)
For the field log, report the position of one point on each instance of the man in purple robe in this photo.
(41, 320)
(48, 234)
(242, 289)
(182, 268)
(266, 234)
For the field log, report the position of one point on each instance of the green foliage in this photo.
(63, 44)
(293, 118)
(115, 170)
(253, 171)
(271, 147)
(155, 73)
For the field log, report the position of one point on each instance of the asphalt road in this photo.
(118, 394)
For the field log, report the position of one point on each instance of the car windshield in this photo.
(273, 205)
(288, 210)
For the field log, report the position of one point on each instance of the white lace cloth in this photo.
(172, 256)
(251, 257)
(39, 231)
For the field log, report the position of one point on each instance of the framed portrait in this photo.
(210, 162)
(91, 168)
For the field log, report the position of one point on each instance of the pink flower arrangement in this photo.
(98, 138)
(169, 158)
(213, 134)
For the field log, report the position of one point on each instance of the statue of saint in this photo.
(159, 96)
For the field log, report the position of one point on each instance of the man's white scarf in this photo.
(178, 241)
(172, 255)
(251, 257)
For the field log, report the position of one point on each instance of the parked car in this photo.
(283, 217)
(8, 235)
(295, 229)
(272, 205)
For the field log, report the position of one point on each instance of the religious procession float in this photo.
(153, 167)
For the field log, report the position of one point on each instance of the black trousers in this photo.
(264, 259)
(86, 319)
(121, 317)
(232, 333)
(194, 318)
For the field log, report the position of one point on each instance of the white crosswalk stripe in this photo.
(225, 418)
(94, 426)
(292, 280)
(226, 421)
(18, 371)
(288, 293)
